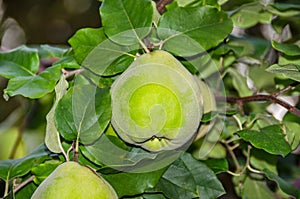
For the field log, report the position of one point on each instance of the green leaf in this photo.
(85, 40)
(34, 86)
(185, 37)
(217, 165)
(126, 22)
(18, 167)
(239, 82)
(67, 61)
(284, 9)
(189, 178)
(98, 54)
(250, 14)
(42, 171)
(83, 112)
(63, 117)
(263, 160)
(52, 139)
(270, 138)
(20, 66)
(119, 65)
(293, 133)
(27, 191)
(127, 184)
(51, 51)
(291, 71)
(284, 185)
(207, 117)
(288, 49)
(148, 196)
(194, 3)
(254, 187)
(22, 61)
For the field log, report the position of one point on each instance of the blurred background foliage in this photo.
(35, 22)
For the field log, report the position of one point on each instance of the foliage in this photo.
(248, 53)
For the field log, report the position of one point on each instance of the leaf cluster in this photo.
(240, 49)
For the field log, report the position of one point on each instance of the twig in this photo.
(71, 73)
(290, 87)
(161, 5)
(231, 153)
(20, 186)
(261, 97)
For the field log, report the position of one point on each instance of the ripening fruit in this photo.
(71, 180)
(156, 103)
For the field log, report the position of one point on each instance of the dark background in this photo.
(51, 21)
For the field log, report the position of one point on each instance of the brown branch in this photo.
(261, 97)
(161, 5)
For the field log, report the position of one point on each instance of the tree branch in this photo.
(261, 97)
(20, 186)
(161, 5)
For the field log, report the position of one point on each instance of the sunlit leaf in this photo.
(99, 54)
(42, 171)
(34, 86)
(288, 49)
(52, 139)
(84, 112)
(185, 37)
(250, 14)
(290, 71)
(22, 61)
(126, 22)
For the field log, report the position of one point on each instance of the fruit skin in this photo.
(156, 103)
(71, 180)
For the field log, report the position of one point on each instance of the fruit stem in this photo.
(75, 157)
(144, 46)
(62, 149)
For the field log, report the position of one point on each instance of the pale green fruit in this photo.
(8, 138)
(156, 103)
(71, 180)
(209, 104)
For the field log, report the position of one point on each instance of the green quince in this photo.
(72, 180)
(156, 103)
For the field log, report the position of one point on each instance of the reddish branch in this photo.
(161, 5)
(261, 97)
